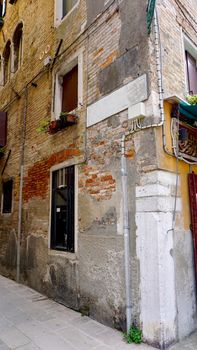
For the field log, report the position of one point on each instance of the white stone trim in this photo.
(117, 101)
(154, 245)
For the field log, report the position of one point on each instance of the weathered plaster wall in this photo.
(176, 19)
(92, 279)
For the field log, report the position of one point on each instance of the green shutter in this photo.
(150, 14)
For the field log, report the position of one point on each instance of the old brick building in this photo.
(77, 78)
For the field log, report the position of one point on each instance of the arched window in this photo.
(2, 8)
(7, 61)
(17, 47)
(1, 70)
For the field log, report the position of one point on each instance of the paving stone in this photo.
(30, 321)
(78, 339)
(13, 338)
(4, 347)
(29, 346)
(53, 342)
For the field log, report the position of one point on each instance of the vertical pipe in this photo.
(20, 207)
(19, 225)
(126, 231)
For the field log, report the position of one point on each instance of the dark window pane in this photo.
(67, 6)
(62, 223)
(70, 90)
(191, 73)
(3, 128)
(7, 196)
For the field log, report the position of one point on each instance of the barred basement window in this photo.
(62, 216)
(7, 197)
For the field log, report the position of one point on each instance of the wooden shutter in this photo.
(191, 73)
(70, 90)
(193, 208)
(3, 128)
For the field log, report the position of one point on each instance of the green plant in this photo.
(2, 150)
(134, 335)
(44, 126)
(192, 99)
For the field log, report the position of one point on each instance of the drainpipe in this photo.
(126, 231)
(21, 187)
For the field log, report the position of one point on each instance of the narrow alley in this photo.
(30, 321)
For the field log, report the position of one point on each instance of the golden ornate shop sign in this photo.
(187, 141)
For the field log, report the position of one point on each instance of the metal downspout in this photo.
(20, 207)
(126, 231)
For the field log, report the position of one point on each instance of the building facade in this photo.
(85, 89)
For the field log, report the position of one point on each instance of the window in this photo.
(7, 61)
(67, 5)
(3, 128)
(191, 69)
(68, 85)
(63, 8)
(17, 46)
(2, 8)
(7, 197)
(70, 90)
(190, 65)
(62, 215)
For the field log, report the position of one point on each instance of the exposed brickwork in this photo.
(37, 179)
(100, 185)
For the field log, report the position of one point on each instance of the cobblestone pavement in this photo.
(30, 321)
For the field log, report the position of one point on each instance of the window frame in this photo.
(191, 48)
(53, 251)
(74, 60)
(2, 197)
(58, 15)
(19, 28)
(9, 63)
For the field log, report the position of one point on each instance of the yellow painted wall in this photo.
(169, 163)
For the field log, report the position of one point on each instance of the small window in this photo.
(7, 61)
(62, 216)
(7, 197)
(67, 5)
(2, 8)
(70, 90)
(191, 69)
(68, 85)
(17, 46)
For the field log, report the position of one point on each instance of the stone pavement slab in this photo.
(30, 321)
(189, 343)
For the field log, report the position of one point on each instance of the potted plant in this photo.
(44, 126)
(68, 118)
(192, 99)
(2, 151)
(54, 126)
